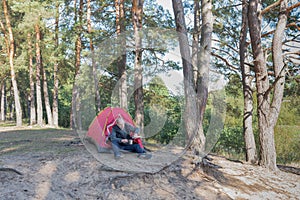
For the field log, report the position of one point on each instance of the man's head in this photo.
(120, 122)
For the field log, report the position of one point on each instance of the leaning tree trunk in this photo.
(137, 12)
(121, 62)
(94, 68)
(190, 109)
(12, 69)
(31, 83)
(247, 90)
(38, 77)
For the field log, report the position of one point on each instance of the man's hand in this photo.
(124, 141)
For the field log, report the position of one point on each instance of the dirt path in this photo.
(60, 167)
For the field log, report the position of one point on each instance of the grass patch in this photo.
(54, 141)
(7, 123)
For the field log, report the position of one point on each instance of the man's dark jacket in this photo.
(118, 134)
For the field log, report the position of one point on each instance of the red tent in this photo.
(101, 126)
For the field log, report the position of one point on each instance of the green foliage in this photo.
(287, 134)
(231, 142)
(290, 112)
(234, 86)
(292, 86)
(287, 141)
(65, 99)
(162, 106)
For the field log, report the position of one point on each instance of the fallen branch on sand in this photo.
(6, 169)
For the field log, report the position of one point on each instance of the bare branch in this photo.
(226, 52)
(225, 61)
(232, 48)
(293, 6)
(293, 24)
(268, 33)
(271, 32)
(293, 53)
(270, 7)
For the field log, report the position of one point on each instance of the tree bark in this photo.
(31, 83)
(38, 77)
(247, 91)
(196, 40)
(121, 62)
(190, 110)
(278, 64)
(75, 111)
(196, 90)
(11, 105)
(55, 70)
(3, 101)
(267, 111)
(3, 86)
(46, 97)
(12, 69)
(137, 12)
(6, 39)
(203, 69)
(95, 77)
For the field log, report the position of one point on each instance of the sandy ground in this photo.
(76, 174)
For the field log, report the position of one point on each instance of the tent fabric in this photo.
(101, 127)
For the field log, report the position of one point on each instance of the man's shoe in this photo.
(144, 156)
(118, 157)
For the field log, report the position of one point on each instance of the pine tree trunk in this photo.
(55, 71)
(11, 105)
(121, 62)
(75, 110)
(12, 69)
(196, 40)
(278, 64)
(46, 97)
(43, 71)
(3, 102)
(5, 38)
(267, 111)
(190, 109)
(267, 151)
(203, 72)
(38, 77)
(195, 94)
(95, 77)
(3, 86)
(137, 12)
(247, 91)
(31, 83)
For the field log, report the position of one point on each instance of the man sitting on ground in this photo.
(121, 139)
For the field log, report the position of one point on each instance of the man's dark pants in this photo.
(116, 146)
